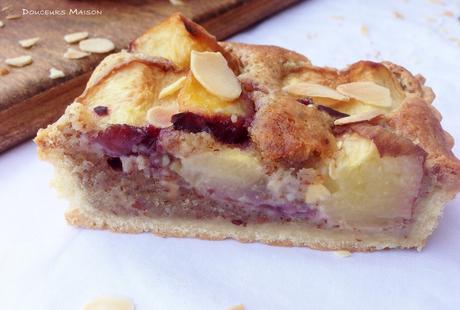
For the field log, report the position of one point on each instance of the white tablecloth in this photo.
(47, 264)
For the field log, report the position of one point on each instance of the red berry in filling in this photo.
(119, 140)
(101, 110)
(221, 127)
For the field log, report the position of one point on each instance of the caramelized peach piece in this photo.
(175, 38)
(127, 92)
(193, 97)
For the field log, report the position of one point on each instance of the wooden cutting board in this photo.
(29, 99)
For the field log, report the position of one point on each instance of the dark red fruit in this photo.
(101, 110)
(119, 140)
(331, 112)
(334, 113)
(115, 163)
(221, 127)
(305, 101)
(238, 222)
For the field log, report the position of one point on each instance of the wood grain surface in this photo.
(29, 99)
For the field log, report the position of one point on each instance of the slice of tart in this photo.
(189, 137)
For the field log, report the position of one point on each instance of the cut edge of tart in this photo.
(220, 140)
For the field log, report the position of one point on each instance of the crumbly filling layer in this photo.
(359, 188)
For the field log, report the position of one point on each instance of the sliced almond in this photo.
(75, 54)
(97, 45)
(160, 116)
(56, 74)
(342, 253)
(171, 88)
(15, 16)
(28, 43)
(20, 61)
(6, 8)
(306, 89)
(367, 92)
(237, 307)
(1, 24)
(212, 71)
(4, 71)
(176, 2)
(75, 37)
(112, 303)
(361, 117)
(316, 193)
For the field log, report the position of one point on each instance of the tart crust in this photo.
(412, 126)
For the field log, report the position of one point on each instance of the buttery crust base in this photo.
(81, 214)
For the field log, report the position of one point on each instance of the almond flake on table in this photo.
(28, 43)
(56, 73)
(75, 37)
(109, 302)
(6, 8)
(20, 61)
(75, 54)
(97, 45)
(237, 307)
(398, 15)
(15, 16)
(2, 24)
(448, 13)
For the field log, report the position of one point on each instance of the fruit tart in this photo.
(184, 136)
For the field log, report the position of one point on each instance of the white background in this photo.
(46, 264)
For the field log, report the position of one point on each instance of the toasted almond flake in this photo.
(4, 71)
(448, 13)
(316, 193)
(1, 24)
(160, 116)
(172, 88)
(75, 37)
(28, 43)
(14, 16)
(108, 302)
(214, 74)
(237, 307)
(6, 8)
(97, 45)
(56, 74)
(75, 54)
(398, 15)
(342, 254)
(356, 118)
(176, 2)
(314, 90)
(364, 30)
(20, 61)
(367, 92)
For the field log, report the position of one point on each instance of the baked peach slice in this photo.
(175, 38)
(126, 88)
